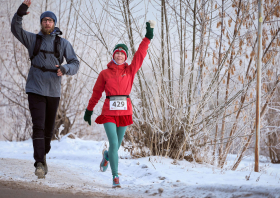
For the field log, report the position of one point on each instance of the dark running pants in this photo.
(43, 112)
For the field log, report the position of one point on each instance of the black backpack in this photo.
(56, 45)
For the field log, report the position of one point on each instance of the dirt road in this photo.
(12, 189)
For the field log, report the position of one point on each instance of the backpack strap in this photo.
(56, 52)
(37, 46)
(57, 47)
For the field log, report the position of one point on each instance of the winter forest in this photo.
(194, 97)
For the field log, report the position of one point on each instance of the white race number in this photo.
(118, 103)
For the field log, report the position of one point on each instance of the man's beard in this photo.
(47, 31)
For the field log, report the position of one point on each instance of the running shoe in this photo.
(40, 171)
(105, 161)
(116, 182)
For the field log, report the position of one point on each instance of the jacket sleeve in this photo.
(73, 63)
(97, 92)
(26, 38)
(139, 56)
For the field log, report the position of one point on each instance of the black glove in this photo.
(87, 116)
(22, 10)
(62, 69)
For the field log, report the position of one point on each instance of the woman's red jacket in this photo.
(118, 80)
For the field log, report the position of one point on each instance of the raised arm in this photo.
(26, 38)
(141, 53)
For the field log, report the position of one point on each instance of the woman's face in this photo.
(119, 57)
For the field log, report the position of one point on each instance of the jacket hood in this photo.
(57, 31)
(112, 65)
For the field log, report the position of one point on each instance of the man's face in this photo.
(47, 25)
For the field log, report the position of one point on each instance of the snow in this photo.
(75, 163)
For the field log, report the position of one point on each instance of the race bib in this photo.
(118, 103)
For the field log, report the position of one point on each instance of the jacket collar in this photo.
(114, 66)
(55, 32)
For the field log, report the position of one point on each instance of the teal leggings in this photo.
(115, 136)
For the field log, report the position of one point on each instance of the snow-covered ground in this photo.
(74, 165)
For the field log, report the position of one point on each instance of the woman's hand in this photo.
(150, 29)
(87, 116)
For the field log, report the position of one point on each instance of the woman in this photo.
(116, 114)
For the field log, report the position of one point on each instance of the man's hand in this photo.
(27, 2)
(22, 10)
(60, 71)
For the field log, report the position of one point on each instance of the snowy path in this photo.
(58, 177)
(74, 166)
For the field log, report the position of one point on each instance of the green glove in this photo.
(150, 29)
(87, 116)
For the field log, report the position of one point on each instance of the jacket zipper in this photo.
(118, 85)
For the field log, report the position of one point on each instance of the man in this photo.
(46, 51)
